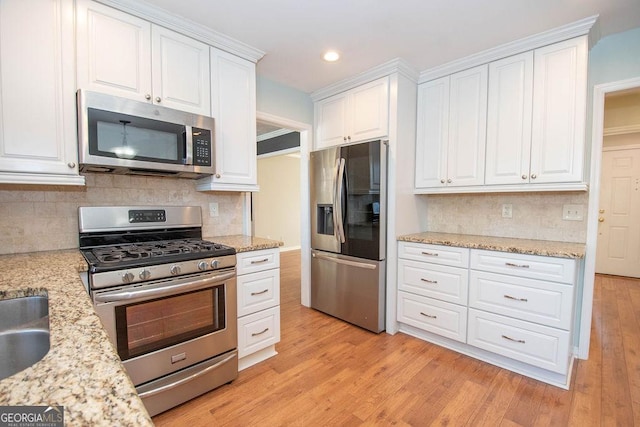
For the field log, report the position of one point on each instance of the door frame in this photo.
(306, 140)
(597, 134)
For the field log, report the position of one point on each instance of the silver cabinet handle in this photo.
(534, 176)
(442, 181)
(428, 315)
(430, 253)
(510, 264)
(515, 299)
(147, 97)
(344, 138)
(259, 261)
(449, 181)
(71, 165)
(524, 176)
(435, 282)
(217, 175)
(513, 339)
(255, 334)
(158, 99)
(259, 293)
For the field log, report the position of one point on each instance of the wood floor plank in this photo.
(330, 373)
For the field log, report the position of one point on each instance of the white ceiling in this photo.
(426, 33)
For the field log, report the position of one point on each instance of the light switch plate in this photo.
(572, 212)
(507, 211)
(213, 209)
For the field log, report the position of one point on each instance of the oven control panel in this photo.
(147, 215)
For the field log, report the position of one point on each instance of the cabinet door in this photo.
(180, 72)
(369, 111)
(509, 120)
(467, 127)
(432, 133)
(114, 51)
(233, 85)
(559, 104)
(38, 142)
(331, 121)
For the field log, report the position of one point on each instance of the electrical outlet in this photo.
(507, 210)
(213, 209)
(572, 212)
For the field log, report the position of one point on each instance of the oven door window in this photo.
(135, 138)
(155, 324)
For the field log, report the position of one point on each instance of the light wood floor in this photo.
(329, 373)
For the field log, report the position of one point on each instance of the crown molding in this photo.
(184, 26)
(565, 32)
(397, 65)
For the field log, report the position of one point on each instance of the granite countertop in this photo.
(243, 243)
(502, 244)
(82, 370)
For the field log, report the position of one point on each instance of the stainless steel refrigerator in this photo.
(348, 245)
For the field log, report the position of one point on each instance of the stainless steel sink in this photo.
(24, 333)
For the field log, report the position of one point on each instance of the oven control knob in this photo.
(215, 263)
(175, 270)
(202, 265)
(145, 274)
(127, 277)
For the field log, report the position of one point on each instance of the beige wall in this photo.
(622, 110)
(276, 207)
(535, 215)
(40, 218)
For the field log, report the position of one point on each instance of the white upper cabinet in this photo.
(38, 142)
(559, 110)
(451, 133)
(126, 56)
(233, 83)
(509, 120)
(359, 114)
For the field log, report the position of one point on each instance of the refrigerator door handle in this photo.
(344, 261)
(337, 202)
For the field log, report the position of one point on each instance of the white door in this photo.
(114, 51)
(180, 72)
(618, 248)
(369, 111)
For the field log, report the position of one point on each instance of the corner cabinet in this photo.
(233, 85)
(38, 142)
(515, 311)
(358, 114)
(452, 115)
(258, 305)
(126, 56)
(534, 118)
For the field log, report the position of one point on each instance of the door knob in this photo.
(601, 219)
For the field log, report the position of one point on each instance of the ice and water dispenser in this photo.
(325, 219)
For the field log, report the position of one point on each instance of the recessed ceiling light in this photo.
(331, 56)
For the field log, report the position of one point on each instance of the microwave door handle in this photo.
(188, 142)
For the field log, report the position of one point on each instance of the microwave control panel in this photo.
(201, 147)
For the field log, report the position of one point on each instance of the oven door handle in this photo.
(185, 380)
(162, 290)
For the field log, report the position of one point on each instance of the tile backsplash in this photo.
(535, 215)
(40, 218)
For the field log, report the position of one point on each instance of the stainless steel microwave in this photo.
(119, 135)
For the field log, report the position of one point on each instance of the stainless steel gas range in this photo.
(166, 297)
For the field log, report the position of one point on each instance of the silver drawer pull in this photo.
(512, 339)
(428, 315)
(435, 282)
(429, 253)
(263, 292)
(255, 334)
(260, 261)
(509, 297)
(510, 264)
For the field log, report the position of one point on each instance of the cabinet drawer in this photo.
(547, 303)
(445, 255)
(257, 291)
(537, 345)
(533, 266)
(257, 331)
(436, 281)
(442, 318)
(251, 262)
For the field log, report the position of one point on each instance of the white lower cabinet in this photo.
(258, 305)
(512, 310)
